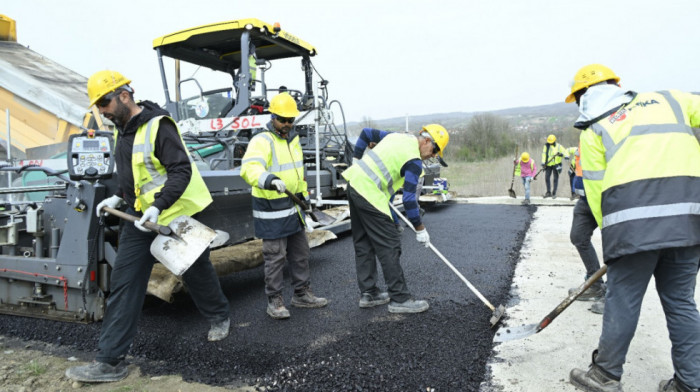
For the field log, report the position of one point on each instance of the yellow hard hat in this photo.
(525, 157)
(551, 139)
(588, 76)
(104, 82)
(284, 105)
(439, 135)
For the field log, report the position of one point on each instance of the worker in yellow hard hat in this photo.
(274, 165)
(640, 164)
(552, 153)
(526, 168)
(394, 162)
(157, 182)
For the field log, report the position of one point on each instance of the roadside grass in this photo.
(493, 178)
(34, 368)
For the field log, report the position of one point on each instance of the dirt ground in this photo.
(40, 367)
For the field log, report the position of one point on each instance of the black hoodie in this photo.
(168, 149)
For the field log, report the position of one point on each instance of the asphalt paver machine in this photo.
(238, 60)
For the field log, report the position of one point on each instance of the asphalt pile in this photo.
(340, 347)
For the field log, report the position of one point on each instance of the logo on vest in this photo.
(620, 115)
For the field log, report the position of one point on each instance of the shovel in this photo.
(497, 312)
(315, 214)
(543, 167)
(177, 245)
(511, 192)
(513, 333)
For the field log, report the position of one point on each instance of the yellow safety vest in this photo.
(274, 214)
(150, 176)
(377, 176)
(553, 151)
(641, 174)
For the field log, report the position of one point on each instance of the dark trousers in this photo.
(582, 227)
(295, 249)
(376, 237)
(132, 269)
(572, 175)
(675, 271)
(548, 171)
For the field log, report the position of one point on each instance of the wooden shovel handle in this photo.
(164, 230)
(296, 200)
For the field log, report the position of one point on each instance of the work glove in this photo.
(151, 214)
(559, 168)
(560, 154)
(423, 237)
(279, 185)
(111, 202)
(309, 224)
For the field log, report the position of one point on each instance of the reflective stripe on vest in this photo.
(145, 166)
(157, 179)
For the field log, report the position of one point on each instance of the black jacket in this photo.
(168, 149)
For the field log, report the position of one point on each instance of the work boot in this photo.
(276, 309)
(307, 299)
(598, 307)
(526, 202)
(594, 380)
(409, 306)
(573, 196)
(546, 195)
(369, 301)
(674, 385)
(554, 195)
(98, 372)
(219, 331)
(593, 293)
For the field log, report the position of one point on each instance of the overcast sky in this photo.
(397, 57)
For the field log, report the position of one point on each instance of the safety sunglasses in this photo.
(288, 120)
(436, 148)
(107, 99)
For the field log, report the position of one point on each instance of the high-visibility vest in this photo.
(150, 176)
(641, 173)
(274, 214)
(377, 176)
(550, 155)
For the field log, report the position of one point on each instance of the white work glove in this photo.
(279, 185)
(309, 224)
(423, 237)
(151, 214)
(111, 202)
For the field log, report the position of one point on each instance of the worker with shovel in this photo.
(641, 173)
(395, 162)
(526, 168)
(552, 152)
(158, 182)
(274, 165)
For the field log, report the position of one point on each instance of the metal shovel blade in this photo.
(497, 315)
(511, 193)
(505, 334)
(178, 251)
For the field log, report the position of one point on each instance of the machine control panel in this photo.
(90, 156)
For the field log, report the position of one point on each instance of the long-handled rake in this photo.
(497, 312)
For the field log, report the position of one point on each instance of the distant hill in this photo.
(559, 113)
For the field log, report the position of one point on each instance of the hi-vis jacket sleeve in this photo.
(255, 163)
(593, 164)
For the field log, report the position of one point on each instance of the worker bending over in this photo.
(395, 162)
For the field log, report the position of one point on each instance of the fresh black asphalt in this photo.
(340, 347)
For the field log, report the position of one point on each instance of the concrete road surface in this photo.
(549, 266)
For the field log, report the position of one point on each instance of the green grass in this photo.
(34, 368)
